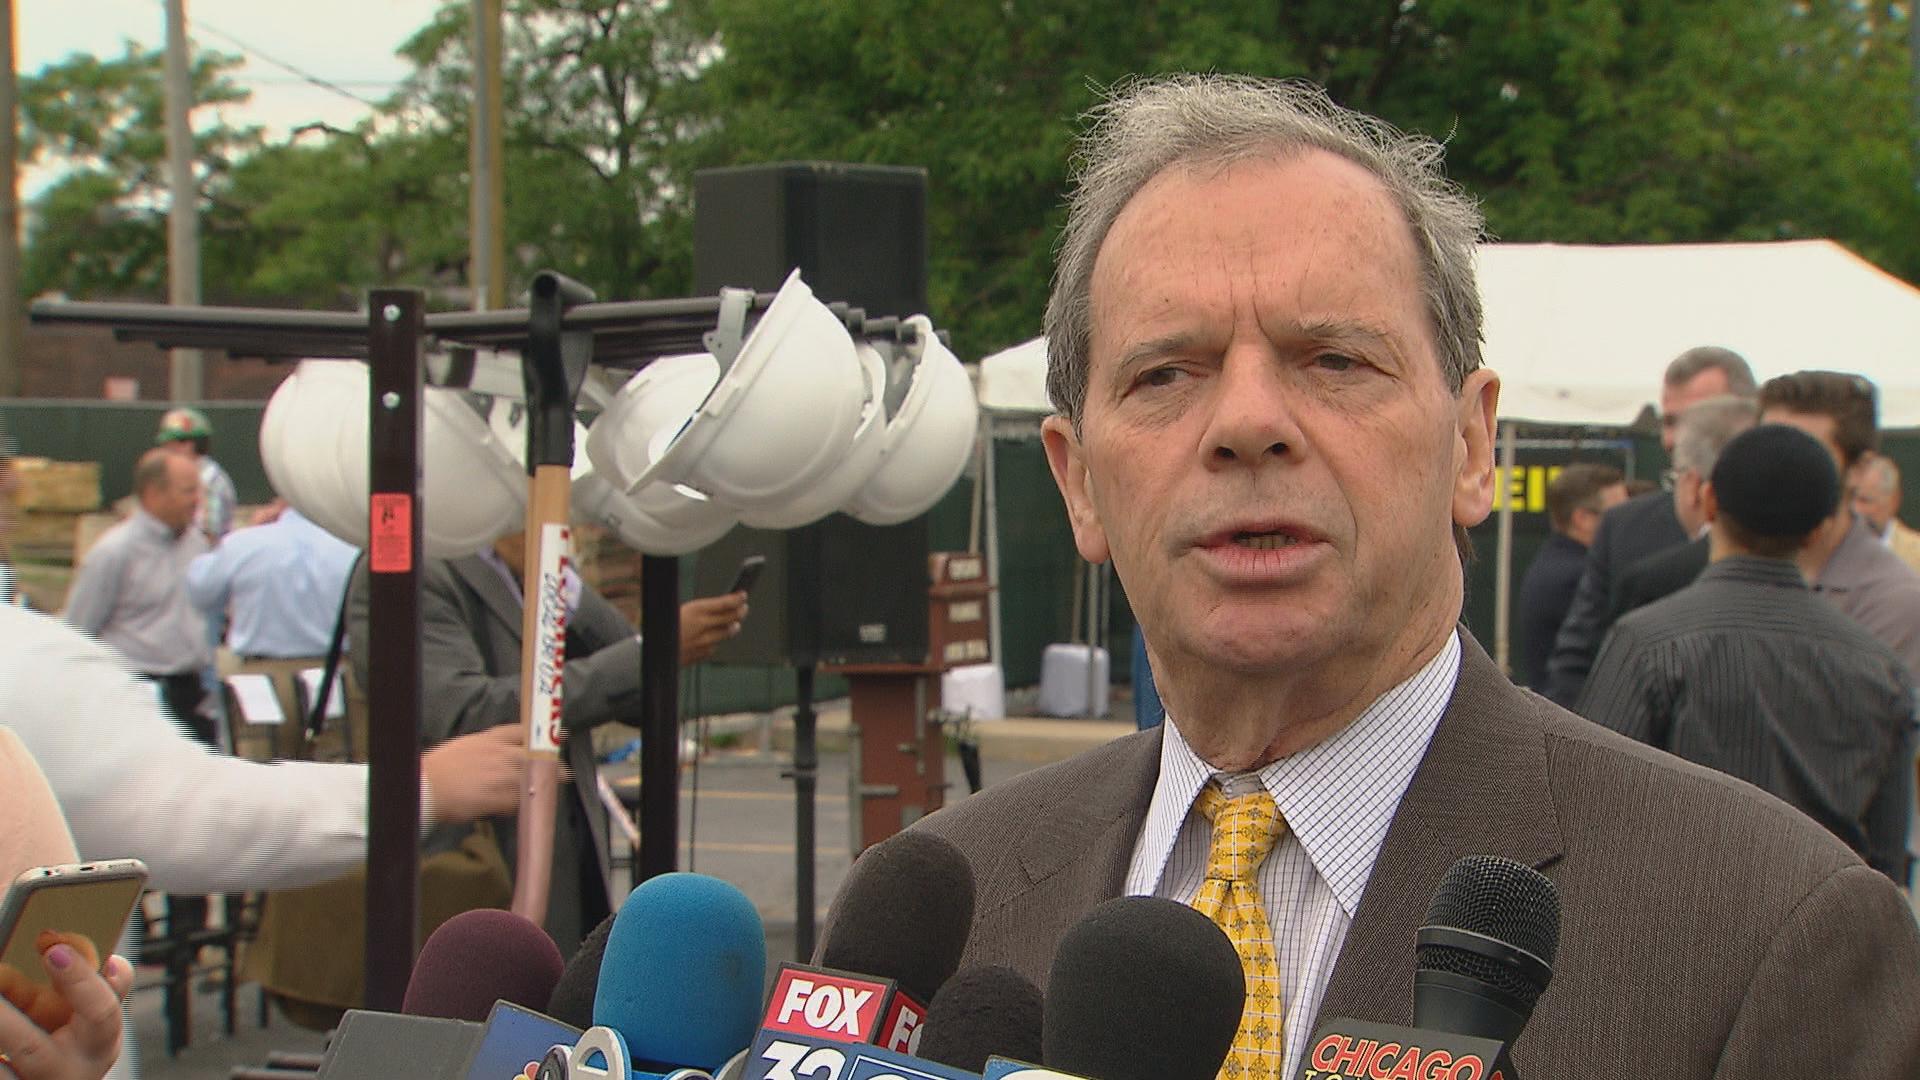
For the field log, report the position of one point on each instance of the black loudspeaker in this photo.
(838, 591)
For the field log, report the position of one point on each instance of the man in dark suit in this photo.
(1576, 498)
(1641, 526)
(1703, 432)
(470, 661)
(1264, 345)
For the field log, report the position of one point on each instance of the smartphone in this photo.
(748, 573)
(87, 905)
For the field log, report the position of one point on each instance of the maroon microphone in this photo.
(478, 957)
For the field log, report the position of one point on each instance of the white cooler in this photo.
(1063, 680)
(976, 690)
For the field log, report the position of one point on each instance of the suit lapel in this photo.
(1481, 789)
(485, 582)
(1087, 835)
(1070, 854)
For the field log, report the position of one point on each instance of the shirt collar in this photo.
(492, 558)
(153, 526)
(1756, 569)
(1338, 796)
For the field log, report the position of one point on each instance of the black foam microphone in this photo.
(904, 913)
(572, 999)
(1485, 953)
(1482, 959)
(1142, 989)
(982, 1012)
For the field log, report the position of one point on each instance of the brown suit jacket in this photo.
(1709, 930)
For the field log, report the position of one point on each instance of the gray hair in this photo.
(1702, 358)
(1882, 470)
(1707, 427)
(1149, 125)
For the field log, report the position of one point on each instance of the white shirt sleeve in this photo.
(133, 785)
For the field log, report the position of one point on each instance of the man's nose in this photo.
(1252, 410)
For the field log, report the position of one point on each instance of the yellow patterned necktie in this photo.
(1245, 828)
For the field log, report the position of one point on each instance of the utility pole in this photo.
(186, 380)
(487, 218)
(11, 324)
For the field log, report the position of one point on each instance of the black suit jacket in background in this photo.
(1546, 592)
(1635, 529)
(1658, 576)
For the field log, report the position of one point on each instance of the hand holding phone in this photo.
(82, 907)
(62, 1017)
(748, 573)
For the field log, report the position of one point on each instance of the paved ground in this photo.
(739, 828)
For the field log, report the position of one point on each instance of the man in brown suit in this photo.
(1264, 343)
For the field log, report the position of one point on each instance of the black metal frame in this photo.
(391, 336)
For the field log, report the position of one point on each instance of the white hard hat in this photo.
(929, 436)
(782, 414)
(854, 468)
(651, 407)
(598, 500)
(314, 445)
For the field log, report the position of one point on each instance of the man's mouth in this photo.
(1265, 541)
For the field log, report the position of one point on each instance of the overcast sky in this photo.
(349, 43)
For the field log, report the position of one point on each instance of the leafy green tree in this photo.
(1574, 120)
(594, 106)
(100, 230)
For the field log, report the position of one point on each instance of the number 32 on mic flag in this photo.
(778, 1055)
(550, 649)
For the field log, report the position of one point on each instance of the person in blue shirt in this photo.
(278, 587)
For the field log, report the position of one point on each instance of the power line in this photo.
(304, 76)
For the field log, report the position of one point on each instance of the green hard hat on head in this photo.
(182, 423)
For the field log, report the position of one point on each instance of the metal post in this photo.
(659, 717)
(1503, 569)
(11, 325)
(488, 210)
(186, 380)
(806, 776)
(393, 649)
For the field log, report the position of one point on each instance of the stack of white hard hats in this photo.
(784, 422)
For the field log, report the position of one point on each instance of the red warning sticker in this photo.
(390, 534)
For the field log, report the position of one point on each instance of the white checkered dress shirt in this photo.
(1338, 799)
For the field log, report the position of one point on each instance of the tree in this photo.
(1574, 120)
(593, 108)
(100, 230)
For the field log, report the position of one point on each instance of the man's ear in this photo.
(1477, 406)
(1709, 503)
(1068, 460)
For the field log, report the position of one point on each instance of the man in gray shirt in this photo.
(130, 590)
(1846, 562)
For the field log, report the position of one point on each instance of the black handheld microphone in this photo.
(982, 1012)
(1485, 953)
(1142, 989)
(1483, 957)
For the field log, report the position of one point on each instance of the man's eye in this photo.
(1335, 362)
(1164, 376)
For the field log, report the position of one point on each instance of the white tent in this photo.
(1581, 334)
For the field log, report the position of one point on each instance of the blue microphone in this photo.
(683, 972)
